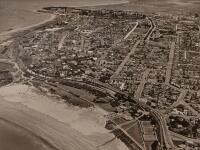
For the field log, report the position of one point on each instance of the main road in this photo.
(170, 63)
(117, 42)
(180, 100)
(140, 88)
(126, 59)
(165, 137)
(167, 142)
(131, 31)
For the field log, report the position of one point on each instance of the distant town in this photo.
(144, 69)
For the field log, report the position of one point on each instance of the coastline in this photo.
(62, 103)
(5, 35)
(103, 4)
(55, 130)
(52, 17)
(27, 135)
(51, 119)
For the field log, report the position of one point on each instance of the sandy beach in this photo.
(19, 15)
(33, 116)
(7, 34)
(19, 138)
(64, 126)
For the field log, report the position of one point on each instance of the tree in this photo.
(196, 15)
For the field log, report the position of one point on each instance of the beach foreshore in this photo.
(51, 17)
(5, 35)
(61, 125)
(103, 4)
(57, 124)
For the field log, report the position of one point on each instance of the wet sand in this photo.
(63, 126)
(181, 3)
(13, 136)
(21, 13)
(42, 119)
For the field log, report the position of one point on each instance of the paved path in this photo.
(173, 87)
(131, 31)
(140, 88)
(106, 52)
(178, 136)
(126, 59)
(60, 45)
(181, 96)
(131, 121)
(130, 137)
(190, 65)
(150, 31)
(164, 133)
(190, 51)
(176, 27)
(166, 138)
(42, 40)
(114, 45)
(17, 74)
(170, 63)
(199, 33)
(66, 35)
(187, 105)
(180, 100)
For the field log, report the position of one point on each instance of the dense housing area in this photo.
(142, 69)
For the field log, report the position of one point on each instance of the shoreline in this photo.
(104, 4)
(52, 17)
(57, 139)
(6, 35)
(32, 134)
(50, 119)
(41, 125)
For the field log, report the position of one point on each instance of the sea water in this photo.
(13, 137)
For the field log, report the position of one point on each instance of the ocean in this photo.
(16, 14)
(21, 13)
(13, 137)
